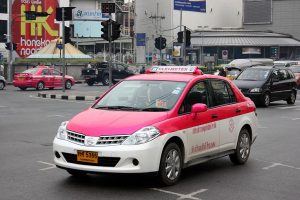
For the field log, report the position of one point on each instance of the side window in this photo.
(275, 74)
(45, 72)
(121, 67)
(221, 94)
(197, 94)
(291, 74)
(56, 73)
(231, 93)
(282, 75)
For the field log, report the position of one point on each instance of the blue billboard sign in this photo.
(141, 39)
(190, 5)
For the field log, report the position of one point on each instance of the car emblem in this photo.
(90, 141)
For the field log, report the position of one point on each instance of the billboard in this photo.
(32, 35)
(140, 39)
(190, 5)
(87, 29)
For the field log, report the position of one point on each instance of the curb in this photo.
(67, 97)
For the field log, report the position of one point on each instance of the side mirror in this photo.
(198, 108)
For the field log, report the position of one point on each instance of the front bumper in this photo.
(148, 156)
(256, 97)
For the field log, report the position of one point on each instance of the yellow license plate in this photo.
(87, 156)
(21, 78)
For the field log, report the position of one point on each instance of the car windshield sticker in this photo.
(160, 103)
(177, 90)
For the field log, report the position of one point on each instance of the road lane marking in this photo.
(66, 101)
(288, 107)
(275, 164)
(182, 196)
(294, 119)
(55, 116)
(52, 166)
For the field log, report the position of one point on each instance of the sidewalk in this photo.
(72, 94)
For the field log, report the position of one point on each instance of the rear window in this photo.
(31, 71)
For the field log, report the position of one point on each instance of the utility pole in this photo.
(9, 38)
(64, 49)
(109, 50)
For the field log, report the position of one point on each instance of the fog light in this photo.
(57, 154)
(135, 162)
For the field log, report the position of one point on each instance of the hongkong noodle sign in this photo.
(32, 35)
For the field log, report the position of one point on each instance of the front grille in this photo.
(102, 161)
(111, 140)
(76, 137)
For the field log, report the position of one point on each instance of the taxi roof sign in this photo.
(174, 69)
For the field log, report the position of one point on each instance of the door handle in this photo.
(238, 110)
(214, 116)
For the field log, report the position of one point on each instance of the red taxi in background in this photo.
(163, 121)
(296, 70)
(41, 78)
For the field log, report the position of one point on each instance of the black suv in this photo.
(264, 84)
(99, 73)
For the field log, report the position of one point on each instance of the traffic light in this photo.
(67, 13)
(116, 32)
(180, 37)
(104, 29)
(160, 43)
(67, 35)
(188, 38)
(108, 8)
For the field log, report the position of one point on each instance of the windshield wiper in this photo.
(117, 108)
(155, 109)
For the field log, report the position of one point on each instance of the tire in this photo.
(90, 82)
(265, 101)
(243, 147)
(23, 88)
(40, 86)
(292, 98)
(105, 80)
(68, 84)
(76, 173)
(170, 165)
(2, 85)
(51, 88)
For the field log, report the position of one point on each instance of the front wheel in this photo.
(292, 98)
(68, 84)
(2, 85)
(90, 82)
(243, 146)
(105, 80)
(170, 164)
(40, 86)
(265, 101)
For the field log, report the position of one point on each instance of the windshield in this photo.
(233, 72)
(254, 74)
(143, 95)
(31, 71)
(295, 69)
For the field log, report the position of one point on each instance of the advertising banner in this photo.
(140, 39)
(177, 50)
(32, 35)
(190, 5)
(91, 15)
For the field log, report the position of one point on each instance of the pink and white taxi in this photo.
(163, 121)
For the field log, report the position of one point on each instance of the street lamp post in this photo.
(202, 43)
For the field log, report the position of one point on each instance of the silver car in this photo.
(2, 82)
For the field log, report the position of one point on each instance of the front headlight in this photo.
(142, 136)
(62, 131)
(255, 90)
